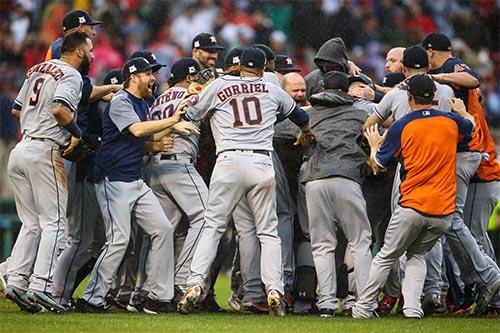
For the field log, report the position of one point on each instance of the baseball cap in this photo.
(134, 66)
(76, 17)
(253, 57)
(335, 80)
(437, 41)
(149, 56)
(206, 41)
(391, 79)
(363, 79)
(415, 57)
(267, 51)
(284, 64)
(233, 57)
(421, 86)
(114, 76)
(182, 68)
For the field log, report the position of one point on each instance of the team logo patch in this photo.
(289, 61)
(236, 60)
(82, 20)
(70, 91)
(250, 63)
(153, 56)
(197, 43)
(426, 113)
(193, 99)
(212, 39)
(114, 80)
(191, 69)
(132, 69)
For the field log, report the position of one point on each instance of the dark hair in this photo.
(423, 100)
(73, 41)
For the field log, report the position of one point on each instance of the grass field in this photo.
(12, 320)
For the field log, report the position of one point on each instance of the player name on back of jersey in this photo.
(169, 96)
(47, 68)
(241, 88)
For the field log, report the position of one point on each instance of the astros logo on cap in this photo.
(191, 69)
(212, 39)
(132, 69)
(81, 20)
(236, 60)
(114, 80)
(197, 43)
(289, 61)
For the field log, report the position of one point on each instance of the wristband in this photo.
(73, 128)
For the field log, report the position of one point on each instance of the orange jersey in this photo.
(425, 142)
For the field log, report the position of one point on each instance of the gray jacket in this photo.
(338, 128)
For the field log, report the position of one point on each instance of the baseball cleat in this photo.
(82, 305)
(256, 307)
(275, 304)
(209, 304)
(484, 299)
(386, 305)
(188, 300)
(235, 303)
(46, 300)
(326, 313)
(18, 296)
(151, 306)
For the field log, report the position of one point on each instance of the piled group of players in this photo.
(407, 167)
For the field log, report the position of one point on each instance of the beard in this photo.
(84, 66)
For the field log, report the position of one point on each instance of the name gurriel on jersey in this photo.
(241, 88)
(46, 68)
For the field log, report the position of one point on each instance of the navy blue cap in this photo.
(421, 85)
(114, 76)
(267, 51)
(335, 80)
(134, 66)
(76, 17)
(391, 79)
(253, 57)
(149, 56)
(415, 57)
(233, 57)
(363, 78)
(206, 41)
(182, 68)
(284, 64)
(437, 41)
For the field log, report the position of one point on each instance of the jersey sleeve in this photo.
(203, 104)
(69, 90)
(21, 96)
(465, 126)
(384, 109)
(86, 90)
(286, 103)
(122, 113)
(457, 65)
(391, 148)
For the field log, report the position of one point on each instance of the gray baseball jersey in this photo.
(164, 107)
(395, 102)
(48, 82)
(243, 111)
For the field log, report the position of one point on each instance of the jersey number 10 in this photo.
(245, 103)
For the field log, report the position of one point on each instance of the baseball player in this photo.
(393, 64)
(428, 191)
(172, 176)
(45, 105)
(332, 178)
(123, 195)
(244, 111)
(475, 166)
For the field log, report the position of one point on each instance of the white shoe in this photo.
(275, 303)
(189, 299)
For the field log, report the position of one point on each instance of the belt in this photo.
(51, 142)
(255, 151)
(171, 157)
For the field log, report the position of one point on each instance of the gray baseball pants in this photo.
(179, 187)
(332, 203)
(240, 174)
(411, 232)
(119, 203)
(85, 238)
(39, 184)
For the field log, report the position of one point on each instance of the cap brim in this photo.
(213, 47)
(94, 23)
(157, 67)
(287, 70)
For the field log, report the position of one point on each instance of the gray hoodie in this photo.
(332, 52)
(338, 128)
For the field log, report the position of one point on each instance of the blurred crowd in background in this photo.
(295, 28)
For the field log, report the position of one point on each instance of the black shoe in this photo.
(431, 304)
(151, 306)
(135, 304)
(82, 305)
(326, 313)
(209, 304)
(256, 306)
(471, 292)
(19, 297)
(46, 300)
